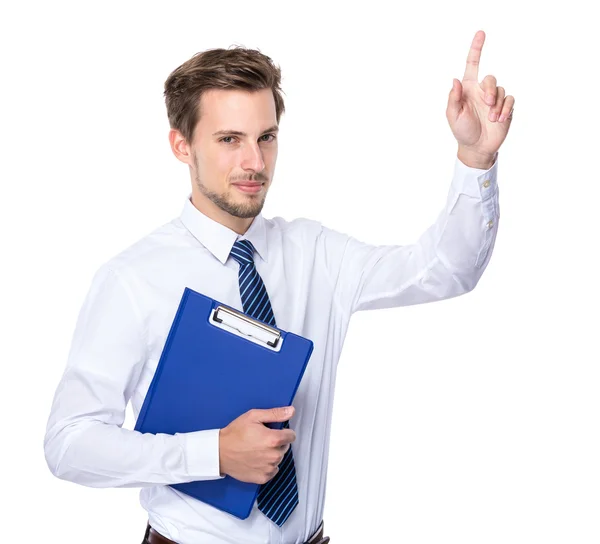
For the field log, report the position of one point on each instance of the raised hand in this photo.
(479, 114)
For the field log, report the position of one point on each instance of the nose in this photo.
(253, 159)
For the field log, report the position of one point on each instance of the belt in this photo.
(154, 537)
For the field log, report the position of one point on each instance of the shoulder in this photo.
(311, 231)
(142, 255)
(299, 227)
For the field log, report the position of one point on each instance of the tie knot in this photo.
(243, 252)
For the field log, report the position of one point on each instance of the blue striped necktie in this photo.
(279, 496)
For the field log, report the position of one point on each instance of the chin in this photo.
(245, 208)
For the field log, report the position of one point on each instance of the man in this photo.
(224, 107)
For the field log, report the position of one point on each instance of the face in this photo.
(235, 141)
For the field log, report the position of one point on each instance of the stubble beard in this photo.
(251, 208)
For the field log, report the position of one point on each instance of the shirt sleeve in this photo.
(447, 260)
(85, 442)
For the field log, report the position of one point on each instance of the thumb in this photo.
(273, 414)
(454, 99)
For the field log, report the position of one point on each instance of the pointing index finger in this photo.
(472, 69)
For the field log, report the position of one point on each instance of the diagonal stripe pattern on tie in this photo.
(278, 497)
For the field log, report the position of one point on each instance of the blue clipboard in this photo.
(218, 363)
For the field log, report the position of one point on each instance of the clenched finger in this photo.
(488, 86)
(497, 108)
(507, 109)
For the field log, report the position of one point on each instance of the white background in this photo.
(469, 420)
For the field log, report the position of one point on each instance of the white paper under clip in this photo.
(244, 329)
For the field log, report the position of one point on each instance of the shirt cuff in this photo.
(201, 450)
(476, 182)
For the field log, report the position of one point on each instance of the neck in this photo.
(210, 209)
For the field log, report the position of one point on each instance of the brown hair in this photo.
(234, 68)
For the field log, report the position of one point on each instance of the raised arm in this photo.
(449, 258)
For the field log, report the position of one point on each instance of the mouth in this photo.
(249, 187)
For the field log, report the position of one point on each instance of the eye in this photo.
(230, 137)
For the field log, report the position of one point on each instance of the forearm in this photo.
(96, 454)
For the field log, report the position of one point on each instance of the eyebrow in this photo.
(274, 128)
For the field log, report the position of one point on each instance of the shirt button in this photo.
(486, 183)
(490, 224)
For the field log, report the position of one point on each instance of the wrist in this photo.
(475, 159)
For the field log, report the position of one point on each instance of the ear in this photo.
(181, 149)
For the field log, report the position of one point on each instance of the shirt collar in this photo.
(218, 238)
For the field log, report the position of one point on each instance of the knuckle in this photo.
(268, 475)
(275, 459)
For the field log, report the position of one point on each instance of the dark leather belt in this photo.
(154, 537)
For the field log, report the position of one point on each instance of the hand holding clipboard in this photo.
(251, 452)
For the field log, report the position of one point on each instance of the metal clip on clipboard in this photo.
(256, 330)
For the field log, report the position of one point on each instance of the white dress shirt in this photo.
(316, 278)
